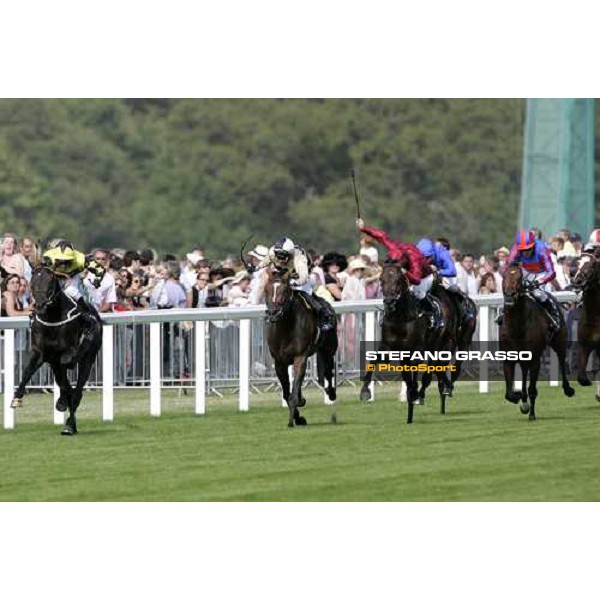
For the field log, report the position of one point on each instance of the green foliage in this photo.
(172, 174)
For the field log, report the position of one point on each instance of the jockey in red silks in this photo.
(533, 256)
(418, 269)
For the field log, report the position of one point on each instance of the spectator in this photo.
(11, 304)
(137, 293)
(490, 265)
(577, 243)
(24, 293)
(465, 275)
(168, 292)
(199, 291)
(238, 294)
(12, 261)
(219, 277)
(255, 257)
(563, 278)
(355, 282)
(333, 263)
(317, 277)
(568, 247)
(105, 296)
(29, 252)
(131, 261)
(368, 249)
(502, 254)
(122, 284)
(488, 284)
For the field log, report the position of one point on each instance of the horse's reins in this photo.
(70, 315)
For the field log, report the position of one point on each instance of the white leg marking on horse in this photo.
(275, 286)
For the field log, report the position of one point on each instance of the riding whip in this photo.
(355, 194)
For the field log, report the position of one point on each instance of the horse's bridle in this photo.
(275, 314)
(50, 299)
(391, 303)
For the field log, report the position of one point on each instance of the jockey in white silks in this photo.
(286, 256)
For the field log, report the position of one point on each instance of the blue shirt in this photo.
(439, 256)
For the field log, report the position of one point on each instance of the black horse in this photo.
(56, 338)
(526, 327)
(460, 321)
(293, 335)
(587, 280)
(403, 328)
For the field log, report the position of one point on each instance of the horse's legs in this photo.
(297, 399)
(584, 355)
(365, 392)
(412, 392)
(328, 361)
(533, 392)
(425, 383)
(525, 407)
(444, 388)
(281, 368)
(60, 374)
(509, 377)
(32, 366)
(66, 391)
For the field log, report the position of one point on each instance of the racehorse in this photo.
(587, 279)
(525, 327)
(402, 328)
(460, 321)
(56, 334)
(293, 335)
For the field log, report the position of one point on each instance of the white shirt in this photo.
(107, 292)
(467, 282)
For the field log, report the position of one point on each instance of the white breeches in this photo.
(420, 290)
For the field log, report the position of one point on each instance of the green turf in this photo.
(483, 449)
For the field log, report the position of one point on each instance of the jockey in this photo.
(419, 268)
(407, 254)
(68, 263)
(437, 260)
(286, 256)
(533, 257)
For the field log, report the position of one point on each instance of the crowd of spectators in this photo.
(142, 280)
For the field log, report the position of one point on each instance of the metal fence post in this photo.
(200, 352)
(484, 337)
(244, 401)
(9, 378)
(155, 368)
(108, 398)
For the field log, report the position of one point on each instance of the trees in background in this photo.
(172, 174)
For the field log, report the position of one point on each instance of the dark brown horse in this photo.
(587, 279)
(459, 313)
(402, 329)
(293, 335)
(526, 327)
(56, 338)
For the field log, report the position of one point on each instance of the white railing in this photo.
(201, 317)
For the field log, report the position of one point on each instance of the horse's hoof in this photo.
(584, 381)
(332, 394)
(598, 397)
(531, 417)
(365, 394)
(300, 421)
(68, 430)
(569, 392)
(61, 405)
(524, 408)
(513, 397)
(291, 425)
(16, 403)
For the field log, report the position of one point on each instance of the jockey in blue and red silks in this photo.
(419, 270)
(533, 256)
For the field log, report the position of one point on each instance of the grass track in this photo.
(483, 449)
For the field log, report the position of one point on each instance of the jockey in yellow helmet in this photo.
(68, 263)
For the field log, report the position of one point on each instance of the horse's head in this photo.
(512, 284)
(395, 285)
(45, 288)
(278, 294)
(588, 273)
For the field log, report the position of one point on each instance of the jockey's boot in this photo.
(437, 318)
(500, 318)
(90, 318)
(554, 314)
(325, 314)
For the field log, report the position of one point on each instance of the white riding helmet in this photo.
(283, 248)
(594, 238)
